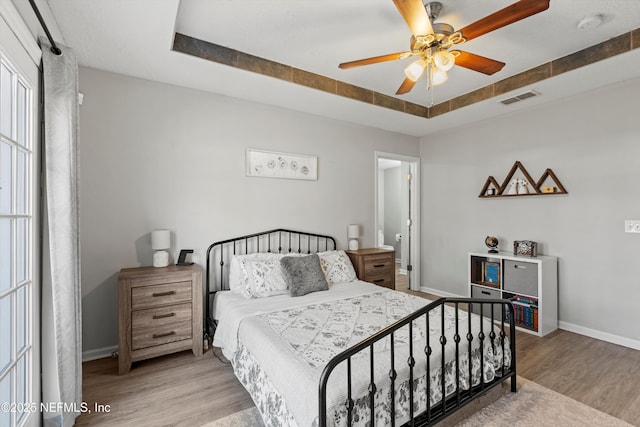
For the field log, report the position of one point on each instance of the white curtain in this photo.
(61, 294)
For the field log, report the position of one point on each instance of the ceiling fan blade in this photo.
(478, 63)
(415, 15)
(374, 60)
(406, 86)
(510, 14)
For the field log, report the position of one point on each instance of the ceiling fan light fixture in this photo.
(438, 76)
(415, 69)
(444, 60)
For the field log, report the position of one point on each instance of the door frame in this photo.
(414, 212)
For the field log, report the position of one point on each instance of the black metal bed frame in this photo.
(288, 241)
(279, 240)
(448, 404)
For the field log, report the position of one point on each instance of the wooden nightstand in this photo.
(375, 265)
(160, 312)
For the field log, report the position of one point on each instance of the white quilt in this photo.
(293, 339)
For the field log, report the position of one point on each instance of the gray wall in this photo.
(160, 156)
(592, 143)
(154, 155)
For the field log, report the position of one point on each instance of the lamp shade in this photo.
(444, 60)
(160, 239)
(353, 231)
(438, 77)
(415, 69)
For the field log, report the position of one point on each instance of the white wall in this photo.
(591, 142)
(160, 156)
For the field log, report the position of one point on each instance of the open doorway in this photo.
(397, 213)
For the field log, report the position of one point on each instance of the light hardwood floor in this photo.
(184, 390)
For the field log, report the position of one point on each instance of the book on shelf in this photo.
(524, 300)
(525, 310)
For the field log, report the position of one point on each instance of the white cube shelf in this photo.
(531, 283)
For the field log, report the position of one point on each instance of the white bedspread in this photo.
(231, 308)
(293, 338)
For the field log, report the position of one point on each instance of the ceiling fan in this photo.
(432, 42)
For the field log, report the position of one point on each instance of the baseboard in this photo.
(599, 335)
(440, 293)
(98, 353)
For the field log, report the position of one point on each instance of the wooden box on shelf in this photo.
(160, 312)
(375, 265)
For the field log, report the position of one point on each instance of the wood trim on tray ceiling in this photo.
(244, 61)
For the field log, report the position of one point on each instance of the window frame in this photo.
(24, 282)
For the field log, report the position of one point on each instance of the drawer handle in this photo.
(519, 266)
(485, 293)
(163, 294)
(378, 280)
(166, 334)
(378, 265)
(162, 316)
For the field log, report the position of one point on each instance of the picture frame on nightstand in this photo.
(491, 274)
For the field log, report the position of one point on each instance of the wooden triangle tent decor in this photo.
(490, 188)
(558, 188)
(524, 186)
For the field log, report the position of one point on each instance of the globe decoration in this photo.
(492, 244)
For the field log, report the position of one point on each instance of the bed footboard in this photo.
(443, 362)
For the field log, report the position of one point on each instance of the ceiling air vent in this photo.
(521, 97)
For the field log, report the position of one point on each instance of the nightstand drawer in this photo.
(381, 280)
(152, 296)
(149, 337)
(381, 264)
(155, 317)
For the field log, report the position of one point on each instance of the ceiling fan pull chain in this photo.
(430, 82)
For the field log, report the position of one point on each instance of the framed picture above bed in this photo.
(270, 164)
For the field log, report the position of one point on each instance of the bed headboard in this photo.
(278, 241)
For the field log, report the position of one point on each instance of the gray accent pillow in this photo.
(303, 274)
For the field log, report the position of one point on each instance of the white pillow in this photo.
(257, 275)
(337, 267)
(237, 279)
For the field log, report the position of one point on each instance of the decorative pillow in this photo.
(303, 275)
(237, 279)
(337, 267)
(257, 275)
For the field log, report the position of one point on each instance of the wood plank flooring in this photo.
(184, 390)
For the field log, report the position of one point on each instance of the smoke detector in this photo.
(590, 22)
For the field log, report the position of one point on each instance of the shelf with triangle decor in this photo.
(524, 185)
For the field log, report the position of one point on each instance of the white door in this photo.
(409, 191)
(19, 311)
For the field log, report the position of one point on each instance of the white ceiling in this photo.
(134, 37)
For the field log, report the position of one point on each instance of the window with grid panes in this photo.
(16, 244)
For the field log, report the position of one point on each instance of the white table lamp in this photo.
(160, 241)
(353, 232)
